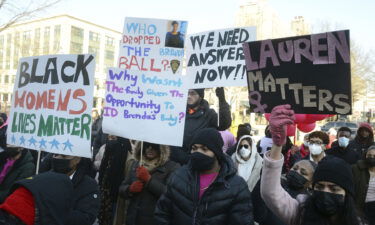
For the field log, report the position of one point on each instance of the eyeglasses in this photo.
(244, 146)
(153, 146)
(315, 142)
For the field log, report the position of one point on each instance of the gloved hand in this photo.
(281, 116)
(220, 93)
(136, 187)
(143, 174)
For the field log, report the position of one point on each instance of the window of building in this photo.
(36, 41)
(94, 36)
(109, 41)
(16, 50)
(5, 97)
(6, 79)
(57, 30)
(47, 31)
(26, 37)
(109, 55)
(56, 41)
(46, 40)
(76, 48)
(94, 50)
(8, 51)
(77, 32)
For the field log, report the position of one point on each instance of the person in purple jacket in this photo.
(332, 199)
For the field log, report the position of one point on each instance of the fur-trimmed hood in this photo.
(164, 155)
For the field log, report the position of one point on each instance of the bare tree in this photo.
(13, 11)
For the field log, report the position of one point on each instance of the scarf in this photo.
(7, 167)
(245, 167)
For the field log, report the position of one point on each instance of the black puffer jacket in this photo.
(86, 201)
(53, 196)
(204, 117)
(227, 201)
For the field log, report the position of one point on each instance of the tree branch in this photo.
(26, 13)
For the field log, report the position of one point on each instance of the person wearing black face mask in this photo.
(85, 204)
(199, 115)
(15, 164)
(207, 189)
(299, 178)
(332, 200)
(364, 180)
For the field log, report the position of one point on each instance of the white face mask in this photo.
(315, 149)
(343, 141)
(245, 152)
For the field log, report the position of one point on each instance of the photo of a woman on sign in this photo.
(175, 38)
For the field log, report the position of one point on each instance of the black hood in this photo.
(53, 196)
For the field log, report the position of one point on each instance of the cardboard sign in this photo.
(215, 58)
(311, 73)
(51, 104)
(153, 45)
(145, 107)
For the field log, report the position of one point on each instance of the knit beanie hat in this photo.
(210, 138)
(365, 125)
(200, 92)
(335, 170)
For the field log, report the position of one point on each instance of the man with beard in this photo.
(16, 163)
(199, 116)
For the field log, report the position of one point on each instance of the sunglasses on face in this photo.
(244, 146)
(153, 146)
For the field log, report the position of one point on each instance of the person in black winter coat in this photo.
(207, 189)
(363, 140)
(45, 199)
(85, 203)
(200, 116)
(342, 150)
(145, 184)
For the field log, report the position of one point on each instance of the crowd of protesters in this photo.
(214, 178)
